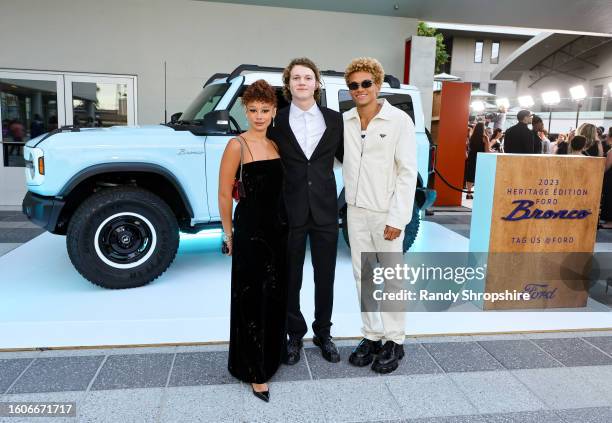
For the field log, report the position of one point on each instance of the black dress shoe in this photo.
(292, 354)
(328, 349)
(364, 353)
(388, 358)
(263, 395)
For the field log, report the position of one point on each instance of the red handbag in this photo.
(238, 191)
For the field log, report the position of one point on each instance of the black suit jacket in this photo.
(309, 186)
(519, 139)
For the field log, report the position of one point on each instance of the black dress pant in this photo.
(323, 249)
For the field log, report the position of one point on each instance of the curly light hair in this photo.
(306, 62)
(366, 64)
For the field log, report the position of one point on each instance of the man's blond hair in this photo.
(366, 64)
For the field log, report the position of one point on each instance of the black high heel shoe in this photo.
(263, 395)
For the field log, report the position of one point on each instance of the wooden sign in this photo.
(536, 216)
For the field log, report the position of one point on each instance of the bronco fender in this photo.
(126, 167)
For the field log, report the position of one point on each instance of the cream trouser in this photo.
(366, 235)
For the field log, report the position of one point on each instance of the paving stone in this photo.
(210, 403)
(561, 388)
(352, 399)
(322, 369)
(521, 417)
(416, 361)
(496, 392)
(604, 343)
(289, 402)
(429, 396)
(57, 374)
(133, 371)
(573, 352)
(520, 354)
(298, 371)
(587, 415)
(201, 368)
(125, 405)
(10, 370)
(462, 357)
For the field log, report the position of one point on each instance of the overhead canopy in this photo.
(594, 16)
(481, 93)
(549, 53)
(445, 77)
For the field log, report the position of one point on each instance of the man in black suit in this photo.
(519, 138)
(309, 137)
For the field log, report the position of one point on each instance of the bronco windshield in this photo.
(205, 102)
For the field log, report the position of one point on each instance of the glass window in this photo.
(237, 112)
(401, 101)
(28, 109)
(596, 101)
(478, 51)
(493, 88)
(205, 102)
(99, 104)
(475, 85)
(495, 52)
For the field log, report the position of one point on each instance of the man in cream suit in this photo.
(380, 175)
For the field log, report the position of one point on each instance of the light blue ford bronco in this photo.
(121, 195)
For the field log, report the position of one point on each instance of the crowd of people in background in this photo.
(586, 140)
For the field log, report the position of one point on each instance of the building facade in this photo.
(473, 58)
(101, 63)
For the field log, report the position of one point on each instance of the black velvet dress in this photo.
(259, 286)
(475, 148)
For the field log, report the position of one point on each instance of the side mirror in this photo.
(216, 122)
(175, 117)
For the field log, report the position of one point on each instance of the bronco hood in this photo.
(89, 133)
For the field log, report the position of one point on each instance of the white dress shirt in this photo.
(307, 126)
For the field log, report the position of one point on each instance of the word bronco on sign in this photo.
(523, 210)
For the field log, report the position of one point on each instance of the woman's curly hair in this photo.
(366, 64)
(306, 62)
(259, 90)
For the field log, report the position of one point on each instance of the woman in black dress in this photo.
(593, 146)
(495, 142)
(479, 143)
(257, 243)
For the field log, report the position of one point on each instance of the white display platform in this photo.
(44, 302)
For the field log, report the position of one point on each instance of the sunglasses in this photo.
(367, 83)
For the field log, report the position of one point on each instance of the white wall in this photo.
(422, 67)
(463, 66)
(196, 39)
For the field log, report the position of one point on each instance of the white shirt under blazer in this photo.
(380, 170)
(308, 127)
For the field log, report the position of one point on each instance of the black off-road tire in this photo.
(110, 224)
